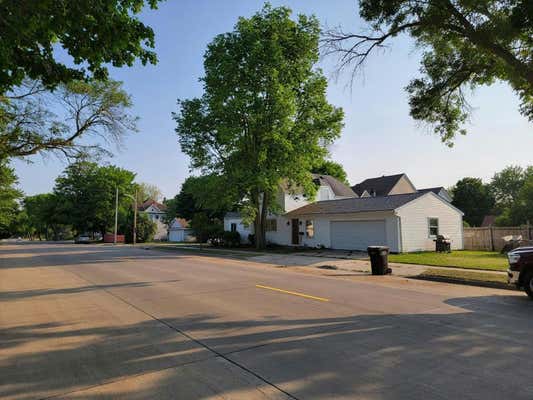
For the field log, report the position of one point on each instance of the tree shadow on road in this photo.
(473, 347)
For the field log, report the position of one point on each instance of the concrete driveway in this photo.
(93, 322)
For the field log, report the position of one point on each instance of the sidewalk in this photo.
(349, 262)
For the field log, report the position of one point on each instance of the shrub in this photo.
(231, 239)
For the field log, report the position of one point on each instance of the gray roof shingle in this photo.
(356, 205)
(381, 186)
(339, 188)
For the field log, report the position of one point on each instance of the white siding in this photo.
(414, 223)
(323, 230)
(244, 230)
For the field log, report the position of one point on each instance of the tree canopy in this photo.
(86, 195)
(94, 33)
(472, 197)
(9, 196)
(466, 44)
(328, 167)
(263, 116)
(34, 119)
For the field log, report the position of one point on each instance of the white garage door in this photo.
(176, 236)
(357, 235)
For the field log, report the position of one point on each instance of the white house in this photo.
(156, 212)
(408, 220)
(179, 231)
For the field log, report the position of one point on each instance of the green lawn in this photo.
(467, 276)
(488, 260)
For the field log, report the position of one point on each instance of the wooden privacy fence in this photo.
(490, 238)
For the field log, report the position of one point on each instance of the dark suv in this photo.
(521, 268)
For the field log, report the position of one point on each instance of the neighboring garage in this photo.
(357, 235)
(403, 222)
(179, 231)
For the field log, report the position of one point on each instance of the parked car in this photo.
(520, 271)
(82, 239)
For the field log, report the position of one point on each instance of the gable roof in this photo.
(381, 186)
(437, 190)
(356, 205)
(144, 206)
(183, 224)
(338, 188)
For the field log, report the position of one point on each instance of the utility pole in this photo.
(135, 219)
(116, 215)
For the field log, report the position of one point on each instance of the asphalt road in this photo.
(94, 322)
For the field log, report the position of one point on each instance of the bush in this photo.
(146, 229)
(231, 239)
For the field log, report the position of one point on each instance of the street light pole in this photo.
(135, 219)
(116, 215)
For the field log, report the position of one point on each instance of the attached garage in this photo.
(403, 222)
(357, 235)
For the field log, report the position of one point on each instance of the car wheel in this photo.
(528, 284)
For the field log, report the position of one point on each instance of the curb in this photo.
(457, 281)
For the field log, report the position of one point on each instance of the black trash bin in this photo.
(379, 260)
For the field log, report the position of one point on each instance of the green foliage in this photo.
(95, 33)
(466, 44)
(263, 116)
(9, 196)
(328, 167)
(146, 191)
(227, 239)
(145, 229)
(35, 120)
(472, 197)
(44, 216)
(506, 184)
(521, 210)
(206, 228)
(86, 195)
(209, 194)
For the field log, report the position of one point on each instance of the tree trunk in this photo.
(260, 222)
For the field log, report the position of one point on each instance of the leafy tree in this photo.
(521, 211)
(95, 33)
(147, 191)
(466, 44)
(506, 184)
(43, 215)
(9, 196)
(263, 116)
(145, 228)
(472, 197)
(34, 120)
(86, 195)
(328, 167)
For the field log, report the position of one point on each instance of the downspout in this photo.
(400, 237)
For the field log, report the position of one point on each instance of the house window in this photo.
(233, 227)
(433, 224)
(271, 225)
(309, 228)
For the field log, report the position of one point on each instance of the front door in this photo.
(295, 231)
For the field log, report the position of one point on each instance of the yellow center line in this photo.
(293, 293)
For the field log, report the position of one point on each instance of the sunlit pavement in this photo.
(88, 322)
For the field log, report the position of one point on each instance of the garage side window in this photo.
(309, 228)
(272, 225)
(233, 227)
(433, 227)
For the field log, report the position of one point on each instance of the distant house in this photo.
(179, 231)
(388, 210)
(385, 185)
(488, 220)
(156, 212)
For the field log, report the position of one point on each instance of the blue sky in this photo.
(379, 137)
